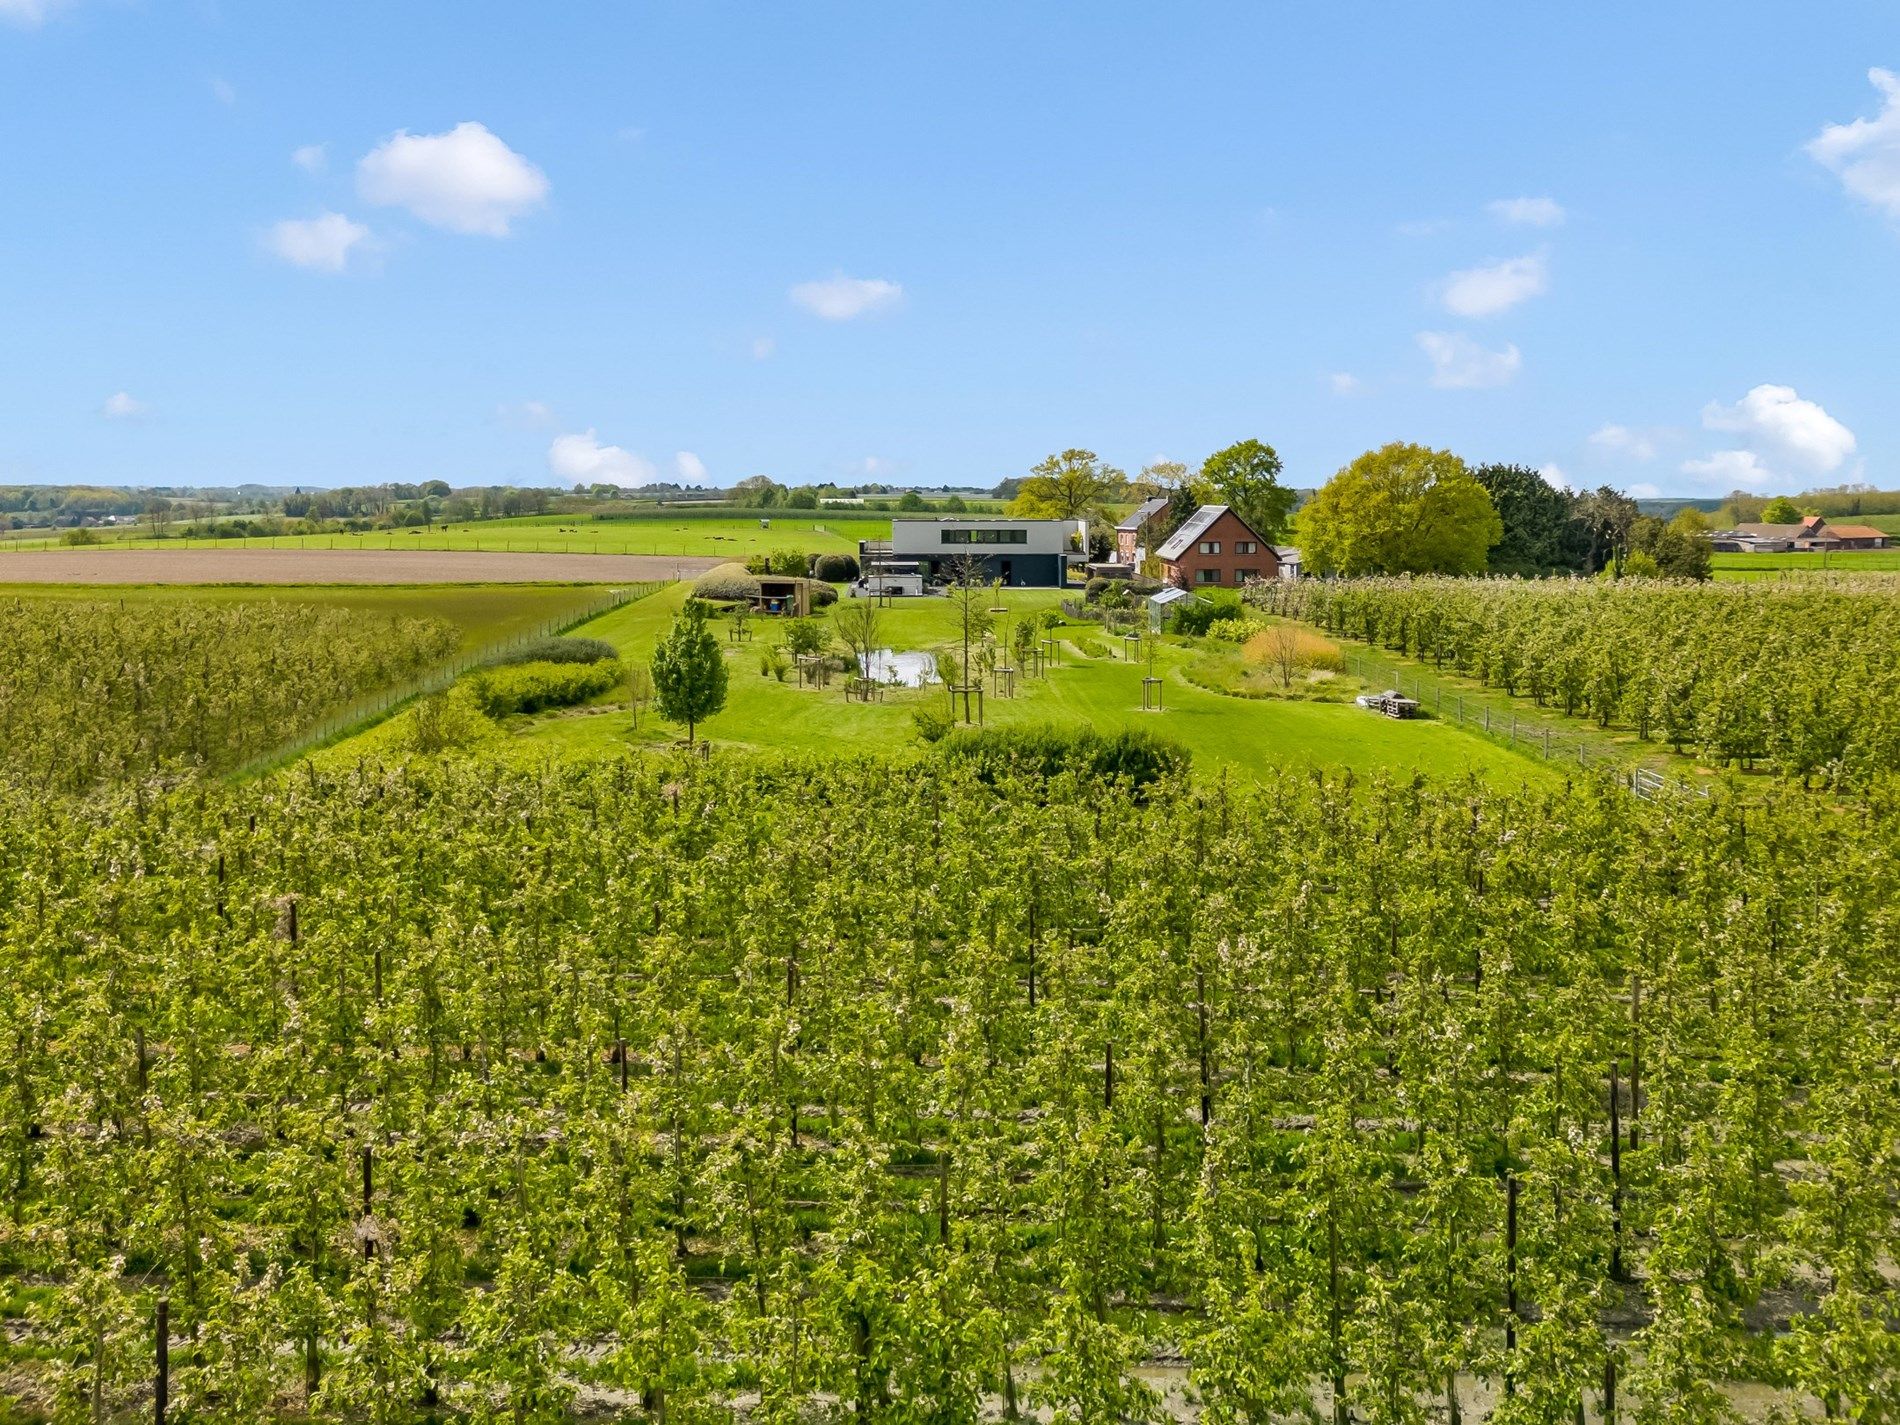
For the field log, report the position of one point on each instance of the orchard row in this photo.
(876, 1087)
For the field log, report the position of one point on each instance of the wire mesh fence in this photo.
(1553, 744)
(373, 707)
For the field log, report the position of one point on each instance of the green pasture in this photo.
(660, 532)
(1797, 563)
(1105, 692)
(485, 613)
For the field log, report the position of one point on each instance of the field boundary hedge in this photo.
(372, 708)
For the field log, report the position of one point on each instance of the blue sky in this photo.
(1654, 245)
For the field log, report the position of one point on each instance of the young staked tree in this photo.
(689, 671)
(859, 630)
(971, 592)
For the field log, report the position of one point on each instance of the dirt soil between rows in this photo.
(337, 566)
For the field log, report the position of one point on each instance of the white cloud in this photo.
(1554, 476)
(1641, 490)
(1528, 212)
(1459, 363)
(840, 298)
(690, 468)
(1730, 470)
(1486, 291)
(1865, 154)
(29, 13)
(324, 243)
(466, 180)
(1344, 383)
(584, 459)
(763, 347)
(312, 157)
(529, 414)
(222, 91)
(122, 406)
(1637, 444)
(1775, 422)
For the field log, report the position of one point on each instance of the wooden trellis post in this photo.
(161, 1375)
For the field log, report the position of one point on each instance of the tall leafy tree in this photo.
(1542, 534)
(1246, 477)
(1678, 551)
(1609, 516)
(689, 671)
(1401, 509)
(1158, 478)
(1071, 485)
(1781, 510)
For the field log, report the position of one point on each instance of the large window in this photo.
(1210, 546)
(1246, 546)
(985, 536)
(1207, 576)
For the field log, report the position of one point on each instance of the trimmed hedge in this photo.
(733, 584)
(1134, 755)
(529, 687)
(727, 583)
(558, 650)
(835, 568)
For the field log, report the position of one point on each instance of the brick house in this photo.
(1130, 542)
(1216, 547)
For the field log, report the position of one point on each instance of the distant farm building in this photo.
(1815, 532)
(1217, 547)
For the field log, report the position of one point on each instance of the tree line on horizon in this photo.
(1401, 509)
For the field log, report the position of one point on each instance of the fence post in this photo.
(161, 1376)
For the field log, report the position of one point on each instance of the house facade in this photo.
(1019, 553)
(1216, 548)
(1131, 541)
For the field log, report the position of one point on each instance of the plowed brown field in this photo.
(336, 566)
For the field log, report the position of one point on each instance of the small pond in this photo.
(912, 670)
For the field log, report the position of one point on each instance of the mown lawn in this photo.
(1775, 566)
(485, 613)
(733, 536)
(1248, 734)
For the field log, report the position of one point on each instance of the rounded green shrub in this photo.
(835, 568)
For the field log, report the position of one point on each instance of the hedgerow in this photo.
(530, 687)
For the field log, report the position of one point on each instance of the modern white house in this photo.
(1020, 553)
